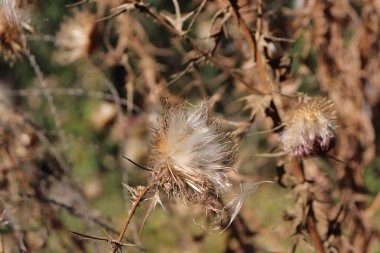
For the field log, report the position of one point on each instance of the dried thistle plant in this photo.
(15, 11)
(190, 156)
(10, 37)
(14, 15)
(76, 38)
(310, 128)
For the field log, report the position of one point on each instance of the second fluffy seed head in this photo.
(310, 128)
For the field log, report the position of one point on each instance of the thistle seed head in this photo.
(10, 38)
(310, 128)
(14, 15)
(190, 156)
(76, 38)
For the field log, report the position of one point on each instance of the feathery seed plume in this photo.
(190, 156)
(76, 38)
(310, 128)
(14, 15)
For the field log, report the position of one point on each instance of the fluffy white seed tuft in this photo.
(14, 17)
(190, 155)
(75, 40)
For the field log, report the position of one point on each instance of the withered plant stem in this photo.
(312, 229)
(371, 211)
(1, 244)
(256, 52)
(296, 165)
(77, 3)
(315, 238)
(132, 212)
(44, 86)
(297, 170)
(161, 20)
(259, 20)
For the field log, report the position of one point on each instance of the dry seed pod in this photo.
(190, 156)
(76, 38)
(310, 128)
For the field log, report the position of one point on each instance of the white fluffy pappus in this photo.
(14, 19)
(190, 155)
(13, 10)
(76, 38)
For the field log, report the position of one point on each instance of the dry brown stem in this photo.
(2, 250)
(132, 211)
(252, 41)
(336, 55)
(159, 19)
(314, 235)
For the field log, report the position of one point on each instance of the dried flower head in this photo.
(14, 15)
(76, 38)
(310, 128)
(190, 156)
(10, 37)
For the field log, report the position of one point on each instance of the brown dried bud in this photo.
(310, 128)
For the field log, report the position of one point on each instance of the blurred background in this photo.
(82, 84)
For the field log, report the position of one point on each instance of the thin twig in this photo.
(371, 211)
(312, 229)
(298, 170)
(120, 115)
(259, 20)
(76, 4)
(310, 217)
(252, 41)
(130, 84)
(115, 244)
(74, 92)
(161, 20)
(41, 37)
(2, 250)
(49, 98)
(132, 212)
(111, 15)
(200, 8)
(138, 165)
(73, 211)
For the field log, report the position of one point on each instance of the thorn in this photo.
(76, 4)
(138, 165)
